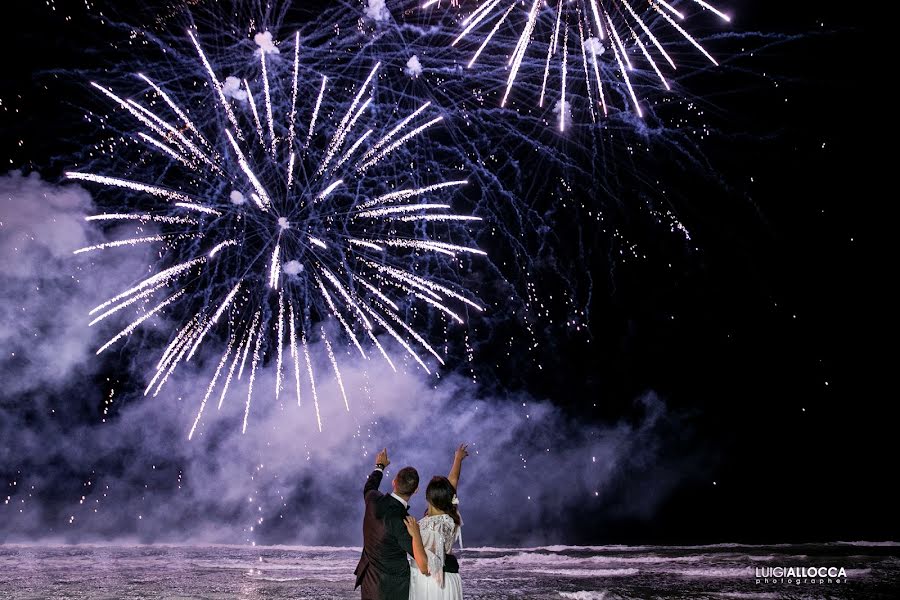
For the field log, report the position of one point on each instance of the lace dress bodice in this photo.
(444, 526)
(438, 535)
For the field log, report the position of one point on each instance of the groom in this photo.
(383, 570)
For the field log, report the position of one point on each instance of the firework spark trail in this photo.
(253, 366)
(337, 371)
(212, 385)
(622, 20)
(312, 380)
(258, 251)
(294, 354)
(134, 325)
(280, 347)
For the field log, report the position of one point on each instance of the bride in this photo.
(433, 539)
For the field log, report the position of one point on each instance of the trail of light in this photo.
(618, 41)
(119, 307)
(190, 125)
(671, 9)
(255, 113)
(293, 118)
(650, 59)
(399, 143)
(161, 277)
(411, 218)
(443, 247)
(237, 355)
(649, 33)
(247, 347)
(637, 107)
(405, 208)
(587, 76)
(131, 185)
(318, 242)
(315, 115)
(365, 244)
(347, 295)
(562, 101)
(278, 365)
(390, 135)
(472, 21)
(519, 53)
(274, 268)
(551, 48)
(378, 293)
(442, 308)
(218, 247)
(217, 86)
(176, 342)
(141, 217)
(398, 337)
(686, 35)
(268, 96)
(130, 108)
(409, 193)
(428, 285)
(413, 333)
(212, 385)
(156, 143)
(168, 127)
(175, 353)
(253, 367)
(713, 9)
(345, 124)
(382, 350)
(294, 354)
(337, 371)
(599, 82)
(199, 208)
(340, 318)
(490, 35)
(312, 381)
(351, 150)
(329, 189)
(597, 20)
(116, 244)
(290, 170)
(134, 325)
(263, 201)
(338, 141)
(218, 314)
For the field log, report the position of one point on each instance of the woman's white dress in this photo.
(438, 534)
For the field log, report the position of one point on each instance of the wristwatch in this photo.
(381, 466)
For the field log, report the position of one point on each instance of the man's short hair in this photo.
(407, 481)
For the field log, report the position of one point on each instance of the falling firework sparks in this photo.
(285, 227)
(625, 31)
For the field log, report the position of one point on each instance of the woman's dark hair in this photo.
(439, 494)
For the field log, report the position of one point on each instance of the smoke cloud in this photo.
(70, 471)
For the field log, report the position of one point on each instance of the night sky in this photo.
(760, 334)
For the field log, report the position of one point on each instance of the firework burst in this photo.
(578, 36)
(286, 213)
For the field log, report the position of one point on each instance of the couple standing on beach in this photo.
(390, 534)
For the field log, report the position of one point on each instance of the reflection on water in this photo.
(582, 573)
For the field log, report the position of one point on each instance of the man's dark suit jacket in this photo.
(383, 569)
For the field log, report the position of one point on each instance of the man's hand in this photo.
(382, 458)
(461, 452)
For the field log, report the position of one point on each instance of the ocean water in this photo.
(725, 571)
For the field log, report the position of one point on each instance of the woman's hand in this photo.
(461, 452)
(412, 526)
